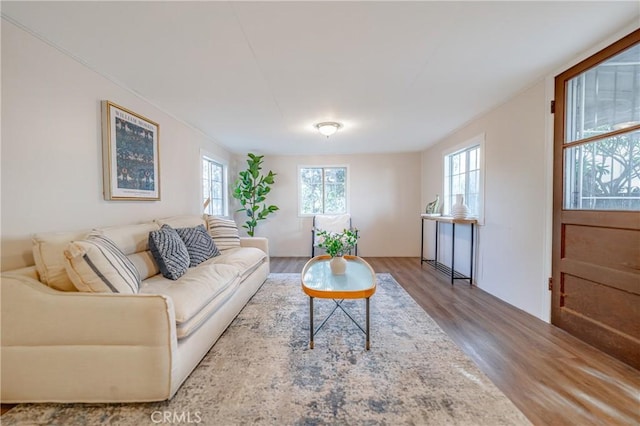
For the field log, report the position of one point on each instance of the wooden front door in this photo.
(596, 201)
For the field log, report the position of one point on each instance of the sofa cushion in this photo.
(48, 254)
(97, 265)
(224, 232)
(133, 240)
(130, 238)
(182, 221)
(169, 251)
(186, 328)
(199, 244)
(246, 259)
(145, 263)
(195, 289)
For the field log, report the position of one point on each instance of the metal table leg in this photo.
(368, 344)
(453, 249)
(310, 322)
(422, 242)
(436, 256)
(471, 265)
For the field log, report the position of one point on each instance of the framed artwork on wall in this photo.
(130, 155)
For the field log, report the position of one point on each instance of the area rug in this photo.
(262, 372)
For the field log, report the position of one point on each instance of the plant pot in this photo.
(338, 265)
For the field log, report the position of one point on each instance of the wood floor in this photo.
(552, 377)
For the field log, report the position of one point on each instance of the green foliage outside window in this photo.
(605, 174)
(323, 190)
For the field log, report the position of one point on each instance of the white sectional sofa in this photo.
(62, 345)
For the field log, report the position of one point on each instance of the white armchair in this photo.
(331, 223)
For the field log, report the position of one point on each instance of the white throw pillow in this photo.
(224, 232)
(48, 253)
(97, 265)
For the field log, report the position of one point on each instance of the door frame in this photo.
(549, 89)
(560, 216)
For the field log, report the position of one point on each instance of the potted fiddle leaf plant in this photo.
(251, 189)
(337, 244)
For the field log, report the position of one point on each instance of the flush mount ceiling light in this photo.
(328, 127)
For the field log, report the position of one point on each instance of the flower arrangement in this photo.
(338, 243)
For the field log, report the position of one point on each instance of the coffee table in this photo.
(358, 282)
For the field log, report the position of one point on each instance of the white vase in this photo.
(338, 265)
(459, 210)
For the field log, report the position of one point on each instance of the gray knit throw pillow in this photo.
(169, 251)
(199, 244)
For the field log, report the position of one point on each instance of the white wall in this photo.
(511, 261)
(384, 203)
(51, 149)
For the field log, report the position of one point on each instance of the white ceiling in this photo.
(256, 76)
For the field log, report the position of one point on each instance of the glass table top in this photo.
(358, 281)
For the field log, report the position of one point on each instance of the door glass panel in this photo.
(604, 98)
(604, 174)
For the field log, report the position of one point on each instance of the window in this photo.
(602, 140)
(323, 190)
(214, 194)
(463, 175)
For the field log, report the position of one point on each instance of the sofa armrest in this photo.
(257, 242)
(33, 314)
(84, 347)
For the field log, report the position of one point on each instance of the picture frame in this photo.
(130, 155)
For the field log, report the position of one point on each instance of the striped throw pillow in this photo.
(224, 232)
(199, 244)
(97, 265)
(169, 251)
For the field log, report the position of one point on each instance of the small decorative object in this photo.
(459, 210)
(433, 208)
(337, 244)
(338, 265)
(251, 188)
(130, 155)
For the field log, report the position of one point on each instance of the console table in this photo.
(440, 266)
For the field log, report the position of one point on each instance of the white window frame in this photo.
(204, 155)
(327, 166)
(478, 141)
